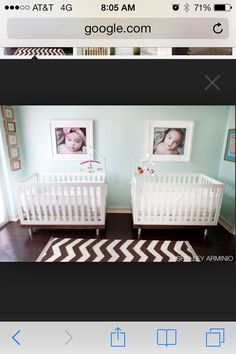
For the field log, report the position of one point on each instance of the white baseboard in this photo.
(119, 210)
(14, 217)
(227, 225)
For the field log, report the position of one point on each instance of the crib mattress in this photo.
(53, 212)
(41, 207)
(186, 215)
(177, 206)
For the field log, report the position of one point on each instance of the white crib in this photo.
(175, 199)
(72, 200)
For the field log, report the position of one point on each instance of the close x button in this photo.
(212, 82)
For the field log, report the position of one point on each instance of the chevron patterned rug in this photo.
(39, 51)
(97, 250)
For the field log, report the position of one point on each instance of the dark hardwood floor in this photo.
(16, 245)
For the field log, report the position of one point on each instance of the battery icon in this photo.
(222, 7)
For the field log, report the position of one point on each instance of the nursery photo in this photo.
(117, 184)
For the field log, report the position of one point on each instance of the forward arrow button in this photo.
(70, 337)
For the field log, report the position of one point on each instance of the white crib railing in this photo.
(176, 199)
(62, 199)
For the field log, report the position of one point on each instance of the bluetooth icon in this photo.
(186, 7)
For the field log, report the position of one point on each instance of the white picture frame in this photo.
(71, 139)
(170, 140)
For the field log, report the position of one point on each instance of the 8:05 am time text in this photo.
(118, 7)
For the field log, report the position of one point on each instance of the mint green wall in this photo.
(227, 175)
(120, 133)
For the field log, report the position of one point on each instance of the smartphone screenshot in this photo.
(117, 176)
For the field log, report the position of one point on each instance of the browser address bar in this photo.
(117, 28)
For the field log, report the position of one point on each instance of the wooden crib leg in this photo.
(97, 232)
(139, 233)
(205, 234)
(30, 233)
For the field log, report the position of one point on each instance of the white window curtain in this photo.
(3, 202)
(4, 210)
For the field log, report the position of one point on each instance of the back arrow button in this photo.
(14, 337)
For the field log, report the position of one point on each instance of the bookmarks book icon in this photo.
(166, 337)
(215, 337)
(118, 338)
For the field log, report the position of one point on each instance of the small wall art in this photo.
(230, 146)
(10, 127)
(13, 152)
(15, 165)
(8, 112)
(11, 137)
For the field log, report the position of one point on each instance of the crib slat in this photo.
(51, 199)
(187, 203)
(199, 204)
(174, 203)
(142, 199)
(63, 206)
(57, 192)
(26, 188)
(88, 203)
(135, 200)
(31, 204)
(69, 205)
(42, 204)
(20, 202)
(180, 209)
(206, 201)
(91, 199)
(212, 206)
(51, 216)
(168, 201)
(219, 198)
(94, 202)
(193, 206)
(155, 200)
(102, 202)
(145, 211)
(82, 208)
(76, 203)
(37, 204)
(161, 204)
(149, 200)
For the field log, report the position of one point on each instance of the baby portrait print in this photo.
(72, 139)
(170, 140)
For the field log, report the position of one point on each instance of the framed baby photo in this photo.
(15, 165)
(13, 152)
(8, 112)
(12, 139)
(230, 146)
(170, 140)
(71, 139)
